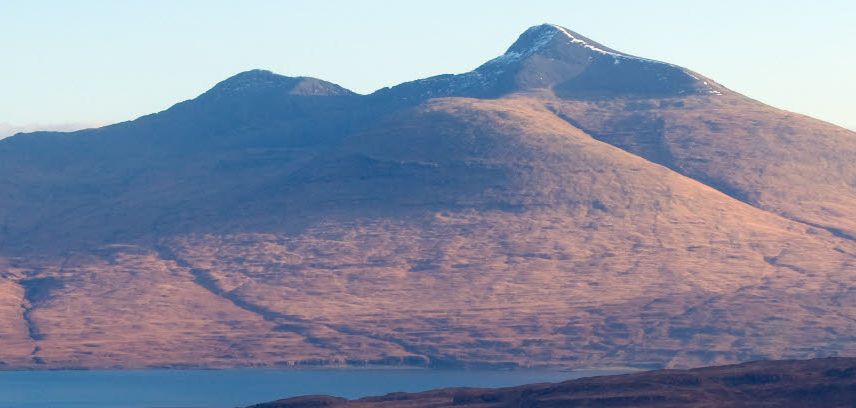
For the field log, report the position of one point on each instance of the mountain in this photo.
(564, 204)
(829, 382)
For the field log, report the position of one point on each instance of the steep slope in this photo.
(795, 166)
(540, 210)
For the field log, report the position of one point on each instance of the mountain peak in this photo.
(252, 79)
(538, 37)
(552, 57)
(533, 39)
(555, 42)
(263, 80)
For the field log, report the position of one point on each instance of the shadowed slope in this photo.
(171, 170)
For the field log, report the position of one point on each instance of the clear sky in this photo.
(84, 62)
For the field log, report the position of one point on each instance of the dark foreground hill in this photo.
(829, 383)
(563, 204)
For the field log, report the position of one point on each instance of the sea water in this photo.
(240, 387)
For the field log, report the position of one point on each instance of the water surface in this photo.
(238, 387)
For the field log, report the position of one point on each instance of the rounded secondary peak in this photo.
(253, 79)
(260, 80)
(256, 75)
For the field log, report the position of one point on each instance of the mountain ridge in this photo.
(548, 55)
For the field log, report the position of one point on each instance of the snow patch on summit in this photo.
(546, 33)
(539, 42)
(617, 56)
(576, 40)
(485, 78)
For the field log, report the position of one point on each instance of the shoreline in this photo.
(328, 368)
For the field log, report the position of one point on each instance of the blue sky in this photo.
(96, 62)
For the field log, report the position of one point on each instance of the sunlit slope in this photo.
(464, 231)
(801, 168)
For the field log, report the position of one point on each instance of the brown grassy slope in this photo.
(461, 231)
(14, 333)
(465, 231)
(813, 383)
(128, 308)
(588, 255)
(799, 167)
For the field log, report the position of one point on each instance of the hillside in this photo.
(565, 204)
(821, 382)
